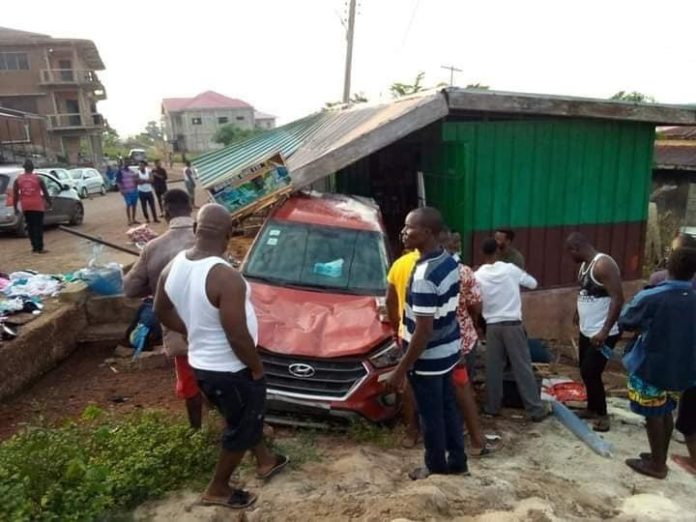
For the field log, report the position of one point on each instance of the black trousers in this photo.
(592, 364)
(159, 192)
(148, 198)
(34, 220)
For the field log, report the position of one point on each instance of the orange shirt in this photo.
(30, 193)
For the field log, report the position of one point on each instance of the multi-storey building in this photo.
(55, 78)
(191, 123)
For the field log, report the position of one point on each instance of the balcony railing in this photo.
(69, 77)
(74, 121)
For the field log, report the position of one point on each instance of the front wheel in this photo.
(102, 190)
(78, 216)
(83, 193)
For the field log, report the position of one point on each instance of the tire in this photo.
(78, 216)
(84, 193)
(21, 230)
(102, 190)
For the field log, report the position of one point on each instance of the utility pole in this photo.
(452, 69)
(349, 51)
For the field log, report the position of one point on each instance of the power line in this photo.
(452, 69)
(349, 51)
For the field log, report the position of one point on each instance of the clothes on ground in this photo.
(664, 354)
(592, 365)
(511, 255)
(156, 254)
(593, 300)
(441, 421)
(208, 348)
(434, 291)
(399, 276)
(686, 418)
(649, 400)
(141, 235)
(31, 197)
(500, 289)
(242, 403)
(469, 295)
(31, 284)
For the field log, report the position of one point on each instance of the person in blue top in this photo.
(662, 363)
(431, 340)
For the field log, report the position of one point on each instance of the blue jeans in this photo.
(441, 422)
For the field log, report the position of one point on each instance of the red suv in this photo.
(317, 271)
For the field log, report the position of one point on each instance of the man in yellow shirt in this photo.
(397, 283)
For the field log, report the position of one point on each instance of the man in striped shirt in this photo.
(432, 344)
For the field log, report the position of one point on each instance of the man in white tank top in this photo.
(201, 296)
(599, 304)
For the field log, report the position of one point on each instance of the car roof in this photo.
(10, 170)
(334, 210)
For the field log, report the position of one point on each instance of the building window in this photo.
(14, 62)
(222, 120)
(240, 118)
(196, 121)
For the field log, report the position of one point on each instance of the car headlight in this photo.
(390, 355)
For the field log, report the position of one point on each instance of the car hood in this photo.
(316, 324)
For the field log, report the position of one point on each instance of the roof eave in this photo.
(570, 107)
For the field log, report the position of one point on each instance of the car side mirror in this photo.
(64, 187)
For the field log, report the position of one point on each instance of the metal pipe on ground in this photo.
(99, 240)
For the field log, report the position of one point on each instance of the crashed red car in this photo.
(317, 270)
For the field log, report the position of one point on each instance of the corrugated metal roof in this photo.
(325, 142)
(675, 156)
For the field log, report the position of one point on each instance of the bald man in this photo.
(201, 296)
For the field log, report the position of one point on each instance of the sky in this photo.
(286, 57)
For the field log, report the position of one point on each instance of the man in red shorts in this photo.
(141, 281)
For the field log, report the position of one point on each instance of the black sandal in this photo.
(239, 499)
(281, 462)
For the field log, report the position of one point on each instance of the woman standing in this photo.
(31, 194)
(146, 192)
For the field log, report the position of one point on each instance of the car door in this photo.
(94, 180)
(59, 210)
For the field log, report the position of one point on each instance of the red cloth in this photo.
(186, 383)
(460, 376)
(30, 194)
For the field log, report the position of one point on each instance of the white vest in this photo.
(207, 342)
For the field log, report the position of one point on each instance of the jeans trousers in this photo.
(441, 422)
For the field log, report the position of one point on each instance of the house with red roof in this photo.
(191, 123)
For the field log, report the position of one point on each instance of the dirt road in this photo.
(105, 216)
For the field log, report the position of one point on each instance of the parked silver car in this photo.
(88, 181)
(66, 207)
(63, 175)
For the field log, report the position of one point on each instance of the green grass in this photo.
(364, 432)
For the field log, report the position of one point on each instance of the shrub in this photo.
(87, 469)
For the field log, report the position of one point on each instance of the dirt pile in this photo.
(542, 474)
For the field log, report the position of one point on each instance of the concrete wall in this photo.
(548, 314)
(199, 137)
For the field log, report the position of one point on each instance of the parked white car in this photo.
(63, 175)
(88, 181)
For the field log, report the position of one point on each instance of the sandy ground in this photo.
(543, 474)
(105, 217)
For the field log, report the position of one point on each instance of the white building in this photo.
(191, 123)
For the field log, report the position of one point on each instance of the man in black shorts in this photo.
(202, 297)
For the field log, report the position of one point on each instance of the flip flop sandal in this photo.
(488, 449)
(601, 426)
(641, 466)
(645, 455)
(281, 462)
(239, 499)
(408, 442)
(419, 473)
(684, 463)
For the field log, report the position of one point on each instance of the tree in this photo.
(110, 137)
(154, 130)
(356, 97)
(399, 89)
(633, 96)
(227, 134)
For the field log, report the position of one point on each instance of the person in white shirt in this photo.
(505, 336)
(202, 297)
(146, 192)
